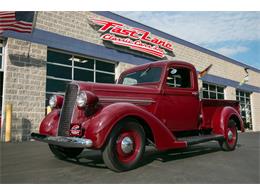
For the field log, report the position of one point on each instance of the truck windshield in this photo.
(148, 75)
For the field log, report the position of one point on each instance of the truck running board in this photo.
(200, 139)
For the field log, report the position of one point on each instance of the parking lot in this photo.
(32, 162)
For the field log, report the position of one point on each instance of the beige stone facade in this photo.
(25, 69)
(25, 77)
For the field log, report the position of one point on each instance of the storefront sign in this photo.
(133, 38)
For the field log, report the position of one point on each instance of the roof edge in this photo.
(165, 35)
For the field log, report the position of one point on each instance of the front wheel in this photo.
(125, 146)
(230, 142)
(63, 153)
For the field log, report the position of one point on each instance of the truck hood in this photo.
(110, 93)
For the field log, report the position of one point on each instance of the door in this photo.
(180, 105)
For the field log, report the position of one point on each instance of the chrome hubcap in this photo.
(230, 135)
(127, 145)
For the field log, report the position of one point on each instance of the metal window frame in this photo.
(238, 98)
(73, 67)
(82, 68)
(2, 54)
(215, 91)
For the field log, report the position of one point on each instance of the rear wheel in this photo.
(125, 146)
(63, 153)
(230, 142)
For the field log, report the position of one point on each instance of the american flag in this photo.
(17, 21)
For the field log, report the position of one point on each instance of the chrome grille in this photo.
(67, 109)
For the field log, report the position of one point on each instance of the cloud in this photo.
(231, 51)
(203, 27)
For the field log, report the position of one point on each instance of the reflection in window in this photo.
(1, 74)
(83, 75)
(105, 78)
(83, 62)
(179, 78)
(60, 58)
(212, 91)
(63, 68)
(105, 66)
(54, 85)
(59, 71)
(148, 75)
(245, 107)
(1, 53)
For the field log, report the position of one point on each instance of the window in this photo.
(1, 74)
(1, 54)
(245, 107)
(212, 91)
(178, 78)
(148, 75)
(63, 68)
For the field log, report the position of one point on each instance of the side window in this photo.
(178, 78)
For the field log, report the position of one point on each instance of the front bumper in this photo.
(68, 142)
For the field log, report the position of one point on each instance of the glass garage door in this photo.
(245, 107)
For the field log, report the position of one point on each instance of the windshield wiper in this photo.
(145, 72)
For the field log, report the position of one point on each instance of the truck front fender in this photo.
(49, 124)
(222, 116)
(99, 126)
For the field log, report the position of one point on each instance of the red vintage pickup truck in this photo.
(156, 103)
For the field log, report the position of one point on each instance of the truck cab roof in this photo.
(162, 63)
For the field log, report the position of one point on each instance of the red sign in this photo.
(133, 38)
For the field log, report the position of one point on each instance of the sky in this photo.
(233, 34)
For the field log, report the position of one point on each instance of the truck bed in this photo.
(209, 107)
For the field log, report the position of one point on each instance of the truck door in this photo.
(180, 104)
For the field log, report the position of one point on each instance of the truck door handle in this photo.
(194, 93)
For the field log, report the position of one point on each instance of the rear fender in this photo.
(49, 124)
(99, 126)
(222, 116)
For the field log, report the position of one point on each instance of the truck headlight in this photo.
(53, 101)
(56, 101)
(82, 99)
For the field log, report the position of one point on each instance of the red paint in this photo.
(123, 157)
(59, 101)
(165, 110)
(49, 124)
(232, 141)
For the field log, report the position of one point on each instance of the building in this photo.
(97, 47)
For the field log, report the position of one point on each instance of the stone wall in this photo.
(230, 93)
(76, 25)
(25, 77)
(255, 105)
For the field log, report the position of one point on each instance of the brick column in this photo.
(200, 86)
(25, 80)
(230, 93)
(255, 107)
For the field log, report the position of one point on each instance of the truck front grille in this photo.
(67, 109)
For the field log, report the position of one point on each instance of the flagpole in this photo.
(33, 27)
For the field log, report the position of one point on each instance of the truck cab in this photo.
(156, 103)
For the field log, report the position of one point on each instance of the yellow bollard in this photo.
(8, 122)
(48, 109)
